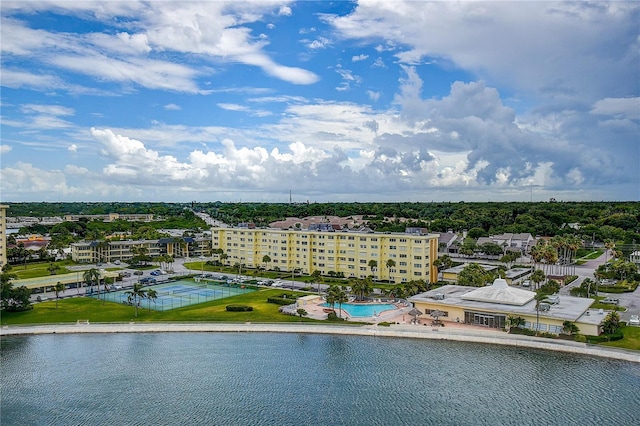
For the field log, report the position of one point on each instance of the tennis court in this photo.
(178, 294)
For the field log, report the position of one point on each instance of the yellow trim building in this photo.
(490, 306)
(346, 252)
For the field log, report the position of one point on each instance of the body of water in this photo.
(298, 379)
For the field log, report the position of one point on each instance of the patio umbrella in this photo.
(436, 314)
(414, 312)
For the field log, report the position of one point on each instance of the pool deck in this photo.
(453, 332)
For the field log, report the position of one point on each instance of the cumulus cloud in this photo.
(172, 107)
(285, 11)
(5, 148)
(472, 36)
(211, 29)
(73, 147)
(618, 107)
(360, 57)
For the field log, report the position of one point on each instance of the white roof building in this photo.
(500, 292)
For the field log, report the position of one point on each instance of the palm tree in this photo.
(373, 264)
(266, 260)
(515, 322)
(390, 264)
(135, 294)
(90, 276)
(57, 289)
(341, 297)
(316, 277)
(608, 245)
(537, 277)
(151, 295)
(362, 288)
(331, 296)
(570, 328)
(335, 295)
(540, 298)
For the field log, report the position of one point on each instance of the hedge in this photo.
(606, 337)
(281, 300)
(239, 308)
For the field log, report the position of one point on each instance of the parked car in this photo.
(610, 301)
(114, 287)
(138, 272)
(634, 320)
(526, 283)
(276, 284)
(554, 300)
(156, 272)
(125, 274)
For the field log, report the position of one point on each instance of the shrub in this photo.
(332, 316)
(384, 324)
(239, 308)
(605, 337)
(547, 335)
(282, 301)
(580, 338)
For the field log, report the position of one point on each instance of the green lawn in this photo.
(631, 339)
(39, 269)
(73, 309)
(593, 255)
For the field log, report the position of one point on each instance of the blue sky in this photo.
(333, 101)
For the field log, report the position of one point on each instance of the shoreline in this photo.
(399, 331)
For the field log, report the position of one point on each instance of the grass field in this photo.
(40, 269)
(631, 339)
(81, 308)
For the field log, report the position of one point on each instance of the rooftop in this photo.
(568, 308)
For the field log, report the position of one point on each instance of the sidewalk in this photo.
(401, 331)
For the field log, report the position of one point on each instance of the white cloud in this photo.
(551, 43)
(319, 43)
(73, 148)
(374, 96)
(285, 11)
(47, 109)
(172, 107)
(619, 107)
(5, 149)
(360, 57)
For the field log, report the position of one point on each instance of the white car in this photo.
(634, 320)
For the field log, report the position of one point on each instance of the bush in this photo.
(334, 317)
(580, 338)
(384, 324)
(239, 308)
(282, 301)
(548, 335)
(605, 337)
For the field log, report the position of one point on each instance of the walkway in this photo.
(402, 331)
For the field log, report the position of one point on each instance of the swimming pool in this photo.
(362, 309)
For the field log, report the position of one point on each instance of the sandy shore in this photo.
(396, 330)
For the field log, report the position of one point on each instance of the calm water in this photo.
(290, 379)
